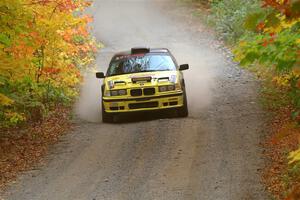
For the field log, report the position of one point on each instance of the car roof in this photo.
(151, 50)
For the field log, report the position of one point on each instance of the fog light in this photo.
(113, 104)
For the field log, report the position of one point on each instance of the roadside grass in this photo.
(278, 176)
(281, 180)
(282, 135)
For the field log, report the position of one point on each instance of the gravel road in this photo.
(213, 154)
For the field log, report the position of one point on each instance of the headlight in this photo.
(114, 93)
(118, 92)
(122, 92)
(171, 87)
(166, 88)
(163, 88)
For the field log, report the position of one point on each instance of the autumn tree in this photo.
(43, 46)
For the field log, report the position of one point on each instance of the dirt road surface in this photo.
(213, 154)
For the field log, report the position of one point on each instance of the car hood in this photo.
(144, 78)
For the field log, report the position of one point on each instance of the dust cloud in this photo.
(199, 78)
(161, 31)
(88, 106)
(199, 83)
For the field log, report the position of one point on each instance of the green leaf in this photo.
(294, 114)
(295, 8)
(285, 65)
(252, 20)
(4, 39)
(249, 58)
(264, 58)
(272, 20)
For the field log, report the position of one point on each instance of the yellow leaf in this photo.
(294, 156)
(5, 101)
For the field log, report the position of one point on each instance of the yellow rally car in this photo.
(143, 79)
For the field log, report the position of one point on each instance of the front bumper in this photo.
(144, 103)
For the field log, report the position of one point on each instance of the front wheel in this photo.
(183, 111)
(107, 117)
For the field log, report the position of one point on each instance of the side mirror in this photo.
(100, 75)
(184, 67)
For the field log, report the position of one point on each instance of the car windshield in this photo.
(140, 63)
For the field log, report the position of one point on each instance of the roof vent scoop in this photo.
(138, 50)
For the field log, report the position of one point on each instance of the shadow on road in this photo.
(144, 116)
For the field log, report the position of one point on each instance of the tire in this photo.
(107, 117)
(183, 111)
